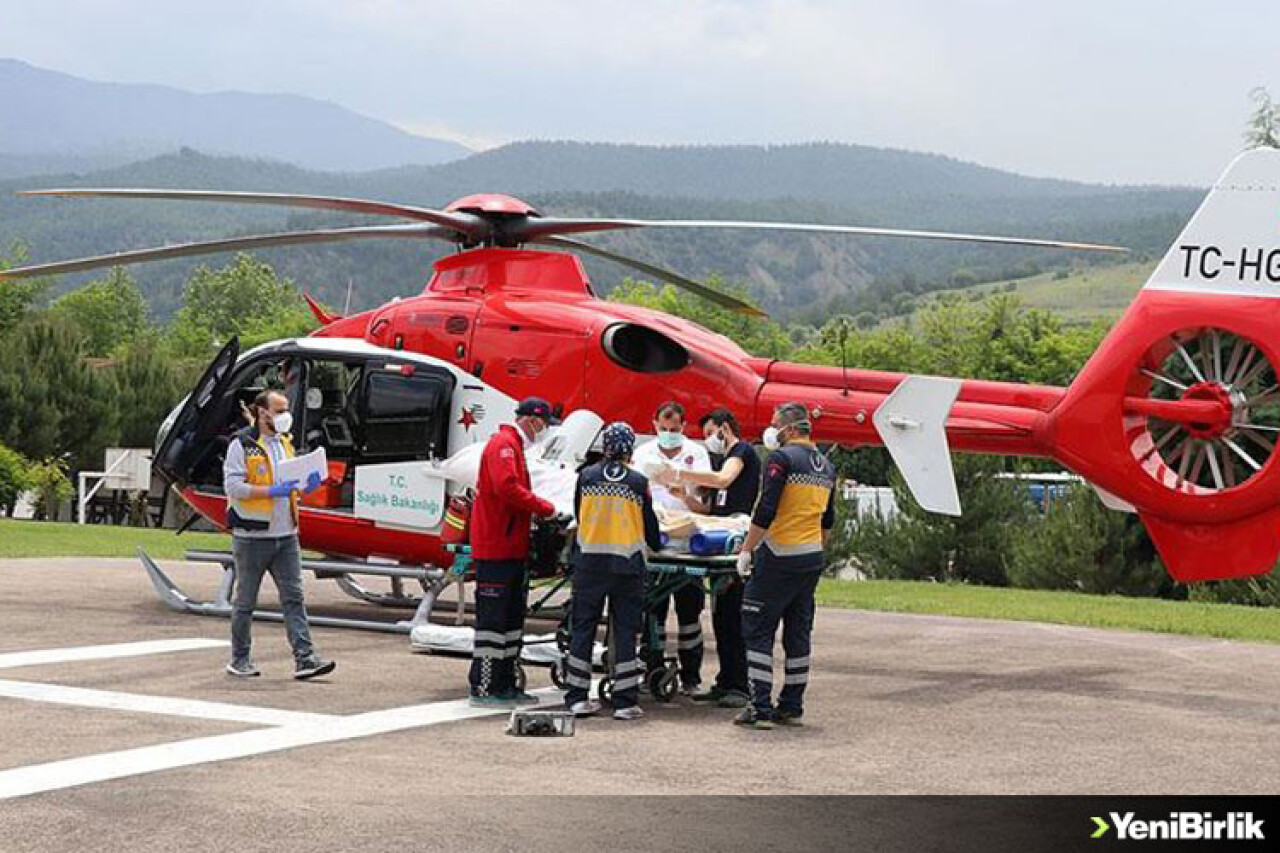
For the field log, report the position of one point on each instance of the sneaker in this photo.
(522, 699)
(311, 667)
(585, 708)
(712, 694)
(749, 719)
(733, 699)
(242, 668)
(631, 712)
(794, 719)
(689, 688)
(503, 703)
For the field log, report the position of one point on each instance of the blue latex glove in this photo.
(313, 482)
(283, 490)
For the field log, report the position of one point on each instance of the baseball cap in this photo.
(534, 407)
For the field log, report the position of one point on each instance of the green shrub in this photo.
(52, 486)
(1261, 591)
(15, 478)
(918, 545)
(1081, 545)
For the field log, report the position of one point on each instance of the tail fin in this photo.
(323, 317)
(1178, 411)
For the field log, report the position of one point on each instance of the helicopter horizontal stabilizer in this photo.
(912, 424)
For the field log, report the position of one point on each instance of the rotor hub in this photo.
(1214, 392)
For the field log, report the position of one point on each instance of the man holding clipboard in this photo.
(262, 514)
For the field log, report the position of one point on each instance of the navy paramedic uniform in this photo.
(796, 506)
(726, 606)
(615, 523)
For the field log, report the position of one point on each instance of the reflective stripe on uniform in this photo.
(760, 657)
(605, 549)
(628, 683)
(762, 675)
(796, 678)
(780, 550)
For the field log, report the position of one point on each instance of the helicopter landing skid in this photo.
(433, 582)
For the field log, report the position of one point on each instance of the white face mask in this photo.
(282, 421)
(670, 439)
(772, 438)
(715, 443)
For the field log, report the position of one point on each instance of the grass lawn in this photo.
(45, 539)
(1226, 621)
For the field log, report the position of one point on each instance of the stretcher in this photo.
(666, 574)
(542, 582)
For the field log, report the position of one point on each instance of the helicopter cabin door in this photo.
(191, 431)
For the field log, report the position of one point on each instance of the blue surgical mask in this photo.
(670, 439)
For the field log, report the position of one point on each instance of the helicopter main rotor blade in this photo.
(466, 224)
(530, 230)
(261, 241)
(724, 300)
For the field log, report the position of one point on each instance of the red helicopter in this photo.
(1175, 416)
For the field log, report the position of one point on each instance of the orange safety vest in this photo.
(255, 513)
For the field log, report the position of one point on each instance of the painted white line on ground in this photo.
(73, 772)
(115, 650)
(113, 701)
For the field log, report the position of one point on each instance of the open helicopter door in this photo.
(187, 431)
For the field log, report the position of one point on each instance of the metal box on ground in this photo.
(536, 722)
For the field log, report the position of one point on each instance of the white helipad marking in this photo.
(112, 701)
(73, 772)
(115, 650)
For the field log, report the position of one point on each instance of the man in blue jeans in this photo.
(262, 513)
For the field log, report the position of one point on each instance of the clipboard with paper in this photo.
(300, 468)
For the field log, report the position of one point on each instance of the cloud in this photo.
(1139, 91)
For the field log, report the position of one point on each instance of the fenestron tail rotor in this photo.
(1223, 450)
(477, 221)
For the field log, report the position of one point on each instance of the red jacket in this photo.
(504, 503)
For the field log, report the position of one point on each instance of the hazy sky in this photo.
(1126, 90)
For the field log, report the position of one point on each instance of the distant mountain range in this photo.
(63, 128)
(54, 122)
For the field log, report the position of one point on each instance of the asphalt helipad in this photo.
(124, 733)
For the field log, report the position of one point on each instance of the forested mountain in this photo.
(56, 122)
(794, 276)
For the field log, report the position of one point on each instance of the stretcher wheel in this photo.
(558, 674)
(522, 678)
(605, 690)
(662, 683)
